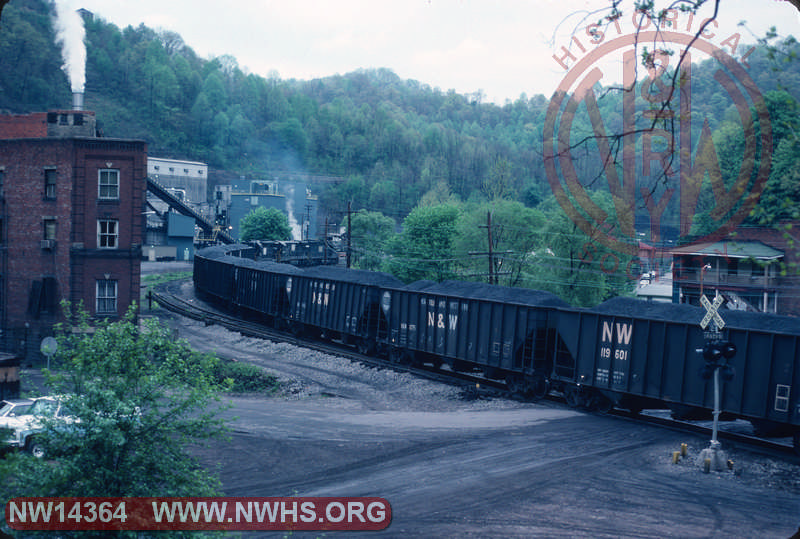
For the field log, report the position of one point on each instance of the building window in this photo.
(107, 233)
(106, 296)
(50, 183)
(44, 297)
(49, 229)
(108, 185)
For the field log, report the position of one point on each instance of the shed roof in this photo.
(731, 249)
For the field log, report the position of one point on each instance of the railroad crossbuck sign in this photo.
(711, 313)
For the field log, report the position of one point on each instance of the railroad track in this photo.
(475, 385)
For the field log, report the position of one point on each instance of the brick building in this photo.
(71, 223)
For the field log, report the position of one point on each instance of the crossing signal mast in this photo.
(717, 352)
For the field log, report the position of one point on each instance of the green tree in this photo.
(499, 183)
(781, 196)
(370, 234)
(572, 265)
(265, 224)
(141, 398)
(517, 231)
(439, 194)
(423, 250)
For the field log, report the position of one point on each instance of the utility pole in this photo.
(493, 273)
(349, 229)
(488, 226)
(307, 223)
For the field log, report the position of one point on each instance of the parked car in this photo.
(15, 407)
(27, 427)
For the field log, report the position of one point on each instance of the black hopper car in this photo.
(624, 353)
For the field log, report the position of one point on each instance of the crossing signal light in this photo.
(727, 373)
(717, 355)
(707, 372)
(728, 349)
(714, 352)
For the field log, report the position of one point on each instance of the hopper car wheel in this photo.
(365, 347)
(601, 403)
(631, 404)
(296, 328)
(514, 384)
(573, 397)
(401, 357)
(536, 387)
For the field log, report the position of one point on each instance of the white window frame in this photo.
(110, 233)
(106, 295)
(108, 190)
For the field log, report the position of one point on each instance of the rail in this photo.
(475, 384)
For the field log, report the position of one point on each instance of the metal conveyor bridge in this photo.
(178, 205)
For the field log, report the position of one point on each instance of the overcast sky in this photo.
(501, 47)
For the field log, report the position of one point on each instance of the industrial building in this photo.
(186, 179)
(71, 223)
(293, 198)
(170, 235)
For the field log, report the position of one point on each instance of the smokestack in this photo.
(77, 100)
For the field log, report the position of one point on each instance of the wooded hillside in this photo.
(395, 142)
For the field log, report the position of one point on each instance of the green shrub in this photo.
(246, 377)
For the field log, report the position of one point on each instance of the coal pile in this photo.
(337, 273)
(504, 294)
(682, 313)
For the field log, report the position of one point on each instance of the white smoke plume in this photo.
(297, 231)
(70, 34)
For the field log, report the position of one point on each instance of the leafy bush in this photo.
(142, 397)
(245, 377)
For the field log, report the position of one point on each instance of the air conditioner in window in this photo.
(48, 244)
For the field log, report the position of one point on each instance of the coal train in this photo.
(624, 353)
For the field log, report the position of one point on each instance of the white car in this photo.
(26, 427)
(15, 407)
